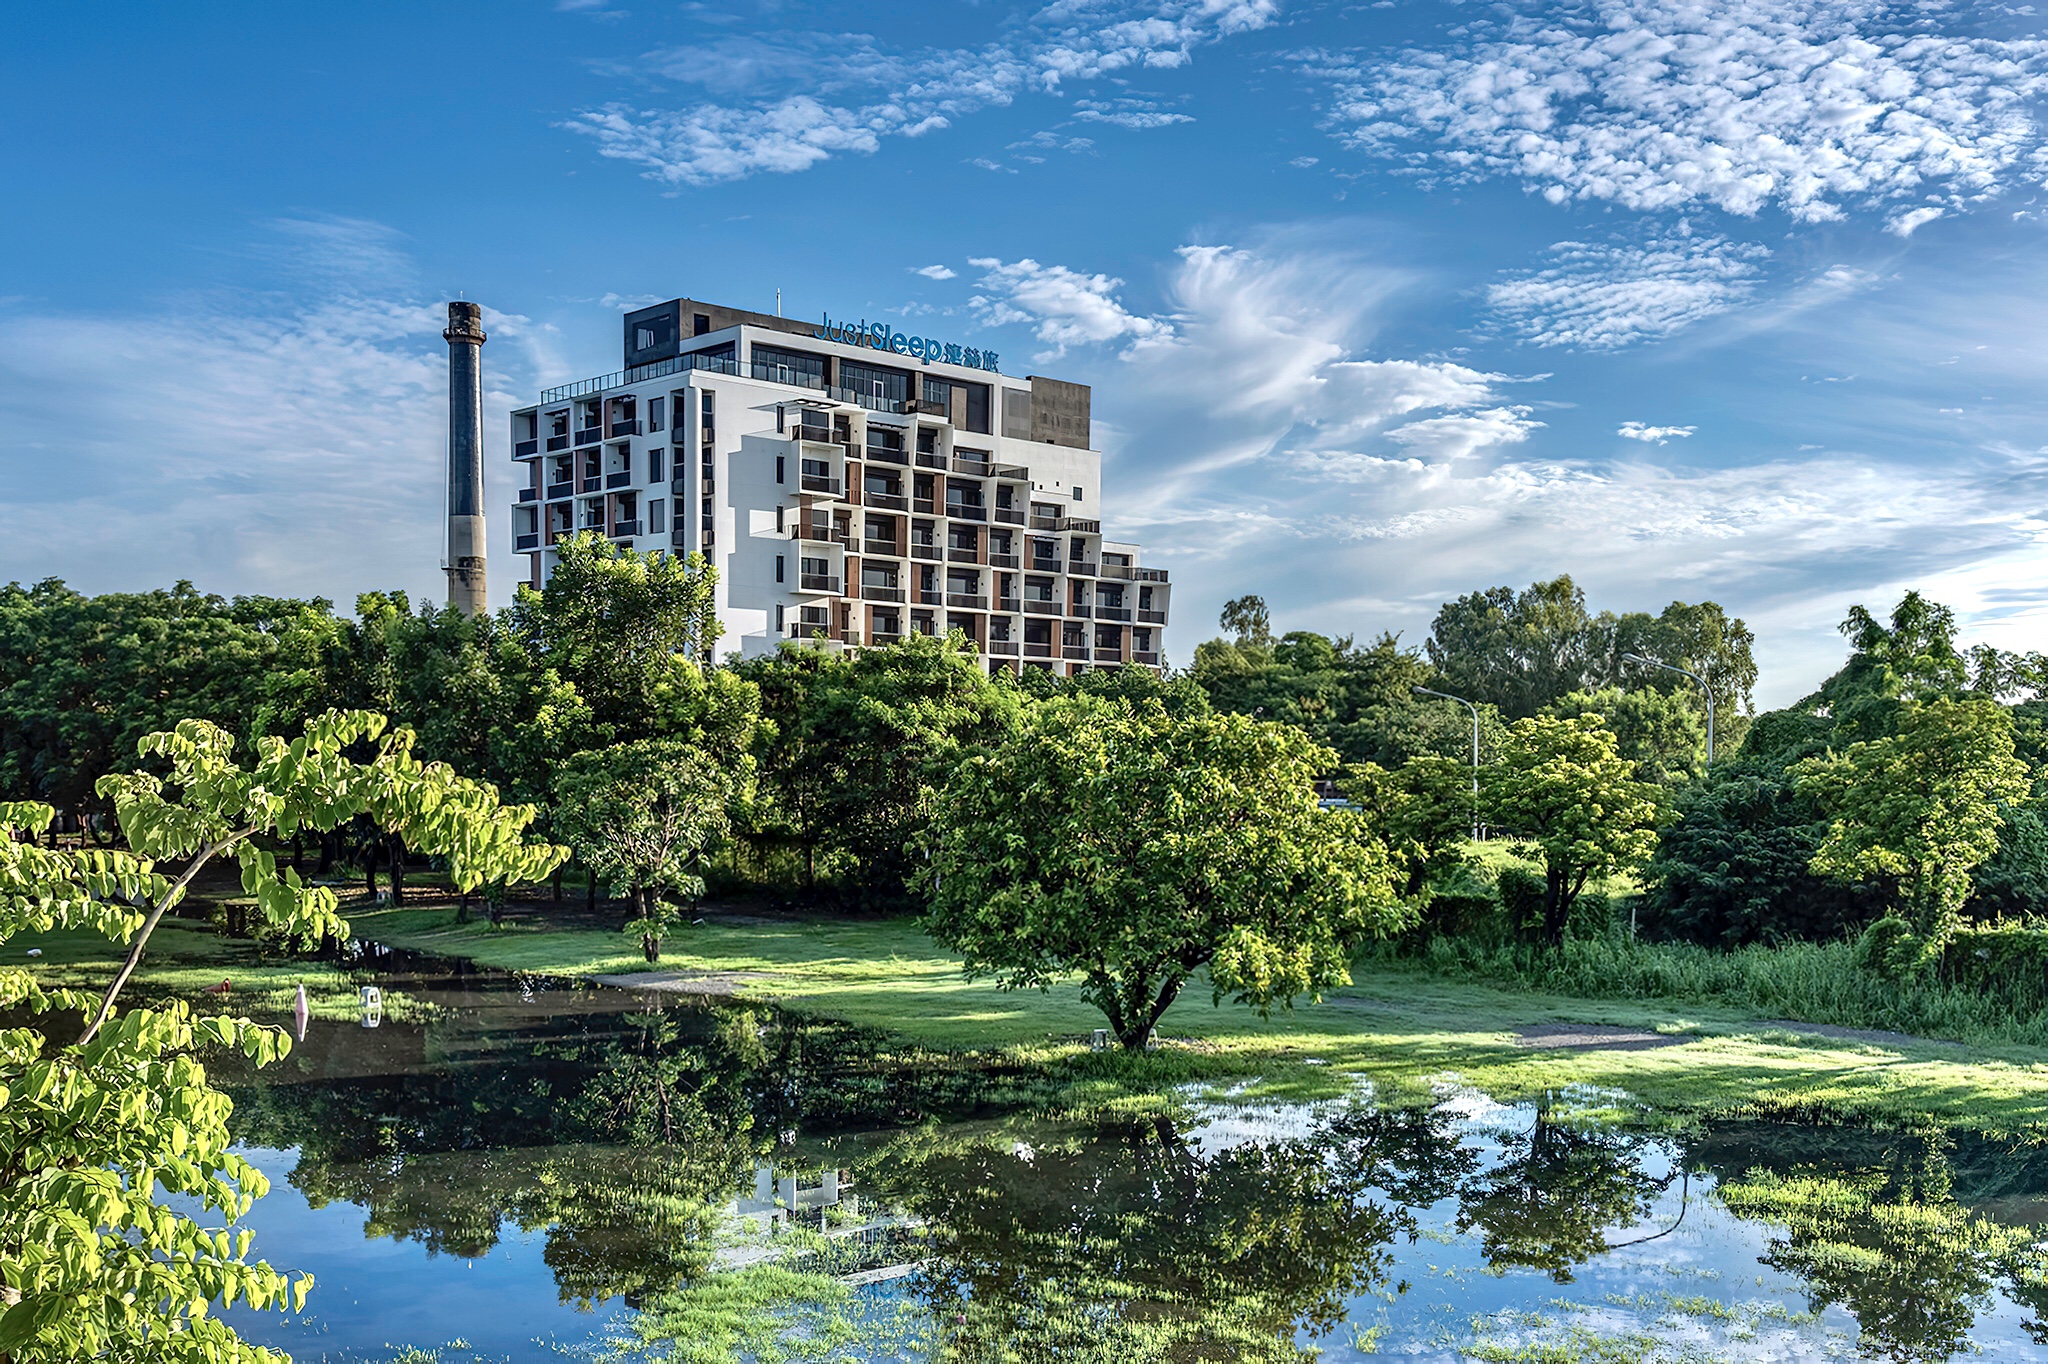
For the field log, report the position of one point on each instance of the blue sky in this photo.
(1383, 302)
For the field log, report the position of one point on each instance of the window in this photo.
(654, 463)
(1077, 492)
(778, 468)
(654, 413)
(781, 420)
(788, 366)
(816, 568)
(778, 567)
(977, 408)
(778, 618)
(778, 531)
(872, 383)
(657, 516)
(938, 395)
(703, 324)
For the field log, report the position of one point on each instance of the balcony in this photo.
(1151, 575)
(967, 601)
(882, 639)
(1081, 568)
(930, 552)
(1148, 657)
(1045, 565)
(927, 597)
(530, 540)
(618, 478)
(590, 435)
(592, 485)
(525, 449)
(884, 501)
(882, 456)
(1146, 617)
(1108, 655)
(1009, 516)
(1080, 609)
(558, 443)
(1045, 523)
(626, 428)
(1112, 612)
(530, 494)
(956, 555)
(1011, 473)
(819, 483)
(1003, 648)
(710, 485)
(868, 593)
(967, 511)
(819, 582)
(1002, 561)
(817, 435)
(625, 530)
(924, 505)
(930, 459)
(1035, 607)
(679, 538)
(1124, 571)
(973, 468)
(887, 548)
(1076, 652)
(1010, 604)
(1080, 523)
(1034, 650)
(818, 533)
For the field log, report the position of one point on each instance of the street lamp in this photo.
(1446, 696)
(1698, 681)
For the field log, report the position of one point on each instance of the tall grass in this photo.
(1801, 982)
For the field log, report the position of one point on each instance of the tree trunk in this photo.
(396, 846)
(1557, 907)
(555, 884)
(650, 944)
(369, 856)
(298, 852)
(590, 892)
(326, 854)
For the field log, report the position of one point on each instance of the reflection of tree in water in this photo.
(1128, 1242)
(1884, 1238)
(1558, 1190)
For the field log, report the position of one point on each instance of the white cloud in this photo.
(1467, 433)
(936, 272)
(1653, 435)
(1604, 297)
(1063, 307)
(831, 94)
(1906, 224)
(1805, 105)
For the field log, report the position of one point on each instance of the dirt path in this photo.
(1564, 1036)
(685, 982)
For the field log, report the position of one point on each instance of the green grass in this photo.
(1399, 1025)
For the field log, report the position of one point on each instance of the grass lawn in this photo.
(1402, 1028)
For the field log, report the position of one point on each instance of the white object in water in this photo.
(373, 998)
(1100, 1041)
(301, 1011)
(35, 951)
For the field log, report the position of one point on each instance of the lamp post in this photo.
(1446, 696)
(1698, 681)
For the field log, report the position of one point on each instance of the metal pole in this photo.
(1698, 681)
(1475, 750)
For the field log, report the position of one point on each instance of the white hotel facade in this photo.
(850, 484)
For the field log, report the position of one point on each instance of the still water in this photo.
(546, 1171)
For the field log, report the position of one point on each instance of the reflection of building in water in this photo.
(860, 1245)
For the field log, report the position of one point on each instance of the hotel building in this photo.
(850, 484)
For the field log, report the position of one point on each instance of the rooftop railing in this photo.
(717, 364)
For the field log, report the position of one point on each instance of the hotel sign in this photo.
(881, 336)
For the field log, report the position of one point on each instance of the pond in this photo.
(549, 1170)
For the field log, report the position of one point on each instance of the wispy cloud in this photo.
(1063, 307)
(936, 272)
(1653, 435)
(1598, 296)
(829, 95)
(1802, 105)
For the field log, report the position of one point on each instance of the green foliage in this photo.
(1246, 618)
(1566, 796)
(1138, 848)
(1663, 733)
(639, 815)
(91, 1266)
(1918, 811)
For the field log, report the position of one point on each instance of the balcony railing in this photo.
(868, 593)
(966, 511)
(1035, 650)
(1002, 560)
(1003, 648)
(818, 582)
(1076, 652)
(957, 555)
(626, 428)
(882, 456)
(1151, 575)
(1148, 617)
(786, 374)
(1045, 523)
(1011, 473)
(1080, 609)
(1008, 604)
(927, 597)
(618, 478)
(973, 468)
(1124, 571)
(930, 459)
(930, 552)
(622, 530)
(1112, 612)
(823, 534)
(885, 501)
(818, 483)
(818, 435)
(1105, 655)
(1045, 565)
(1035, 607)
(967, 601)
(592, 485)
(590, 435)
(870, 401)
(888, 548)
(1080, 523)
(1009, 516)
(525, 449)
(717, 364)
(923, 504)
(882, 639)
(529, 494)
(1081, 568)
(530, 540)
(1149, 657)
(558, 443)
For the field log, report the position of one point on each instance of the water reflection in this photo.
(740, 1176)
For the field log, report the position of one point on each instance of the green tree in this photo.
(1918, 811)
(1246, 618)
(1562, 790)
(1135, 849)
(1913, 657)
(1663, 733)
(640, 815)
(91, 1265)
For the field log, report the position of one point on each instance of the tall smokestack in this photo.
(465, 338)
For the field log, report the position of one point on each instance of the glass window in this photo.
(654, 462)
(654, 413)
(872, 381)
(977, 408)
(657, 516)
(788, 366)
(778, 567)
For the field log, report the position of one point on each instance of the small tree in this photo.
(639, 815)
(91, 1266)
(1920, 810)
(1564, 792)
(1135, 848)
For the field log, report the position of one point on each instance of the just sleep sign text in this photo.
(880, 336)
